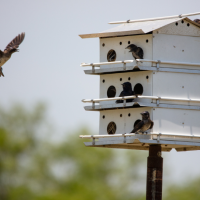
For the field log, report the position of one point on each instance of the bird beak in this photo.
(141, 113)
(127, 48)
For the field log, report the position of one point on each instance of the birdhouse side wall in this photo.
(118, 44)
(176, 85)
(176, 48)
(176, 121)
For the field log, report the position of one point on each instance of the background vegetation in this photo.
(36, 167)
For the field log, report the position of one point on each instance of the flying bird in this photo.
(197, 21)
(9, 50)
(137, 52)
(144, 124)
(127, 91)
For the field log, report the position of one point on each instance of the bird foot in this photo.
(1, 72)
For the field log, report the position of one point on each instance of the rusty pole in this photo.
(154, 173)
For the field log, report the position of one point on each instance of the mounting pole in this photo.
(154, 173)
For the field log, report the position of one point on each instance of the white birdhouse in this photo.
(166, 78)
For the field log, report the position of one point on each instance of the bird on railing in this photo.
(137, 52)
(9, 50)
(197, 21)
(127, 91)
(144, 124)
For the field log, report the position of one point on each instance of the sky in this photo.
(47, 68)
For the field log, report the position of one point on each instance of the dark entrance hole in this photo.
(111, 92)
(138, 89)
(111, 128)
(111, 56)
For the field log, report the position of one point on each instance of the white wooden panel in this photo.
(176, 121)
(180, 28)
(176, 48)
(121, 52)
(125, 123)
(135, 77)
(176, 85)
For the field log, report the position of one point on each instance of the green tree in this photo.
(32, 166)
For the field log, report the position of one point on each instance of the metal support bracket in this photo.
(158, 65)
(93, 140)
(124, 102)
(93, 69)
(124, 137)
(158, 101)
(158, 137)
(93, 104)
(124, 66)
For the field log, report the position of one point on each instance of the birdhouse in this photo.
(160, 61)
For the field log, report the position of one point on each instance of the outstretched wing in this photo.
(14, 44)
(1, 53)
(138, 126)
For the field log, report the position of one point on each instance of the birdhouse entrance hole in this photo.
(111, 56)
(138, 89)
(111, 92)
(111, 128)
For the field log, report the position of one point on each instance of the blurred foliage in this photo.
(32, 166)
(35, 167)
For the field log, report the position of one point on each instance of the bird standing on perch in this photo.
(127, 91)
(9, 50)
(144, 124)
(137, 52)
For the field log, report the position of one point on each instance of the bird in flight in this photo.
(9, 50)
(144, 124)
(127, 91)
(137, 52)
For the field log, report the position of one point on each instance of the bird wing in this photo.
(14, 44)
(137, 127)
(1, 53)
(152, 123)
(140, 52)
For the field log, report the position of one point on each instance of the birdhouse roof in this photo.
(137, 28)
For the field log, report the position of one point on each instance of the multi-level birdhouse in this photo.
(166, 82)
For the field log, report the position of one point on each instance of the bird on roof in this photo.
(197, 21)
(137, 52)
(127, 91)
(144, 124)
(9, 50)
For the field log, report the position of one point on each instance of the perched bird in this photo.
(197, 21)
(144, 124)
(127, 91)
(137, 52)
(9, 50)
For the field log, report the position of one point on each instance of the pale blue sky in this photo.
(47, 68)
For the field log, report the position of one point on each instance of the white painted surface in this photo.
(176, 48)
(125, 123)
(176, 85)
(176, 121)
(135, 77)
(121, 52)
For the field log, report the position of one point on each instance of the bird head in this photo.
(127, 86)
(145, 115)
(131, 47)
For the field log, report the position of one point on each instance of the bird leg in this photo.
(1, 72)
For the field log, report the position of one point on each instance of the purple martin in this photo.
(127, 91)
(137, 52)
(9, 50)
(197, 21)
(144, 124)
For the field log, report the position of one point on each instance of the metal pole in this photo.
(154, 173)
